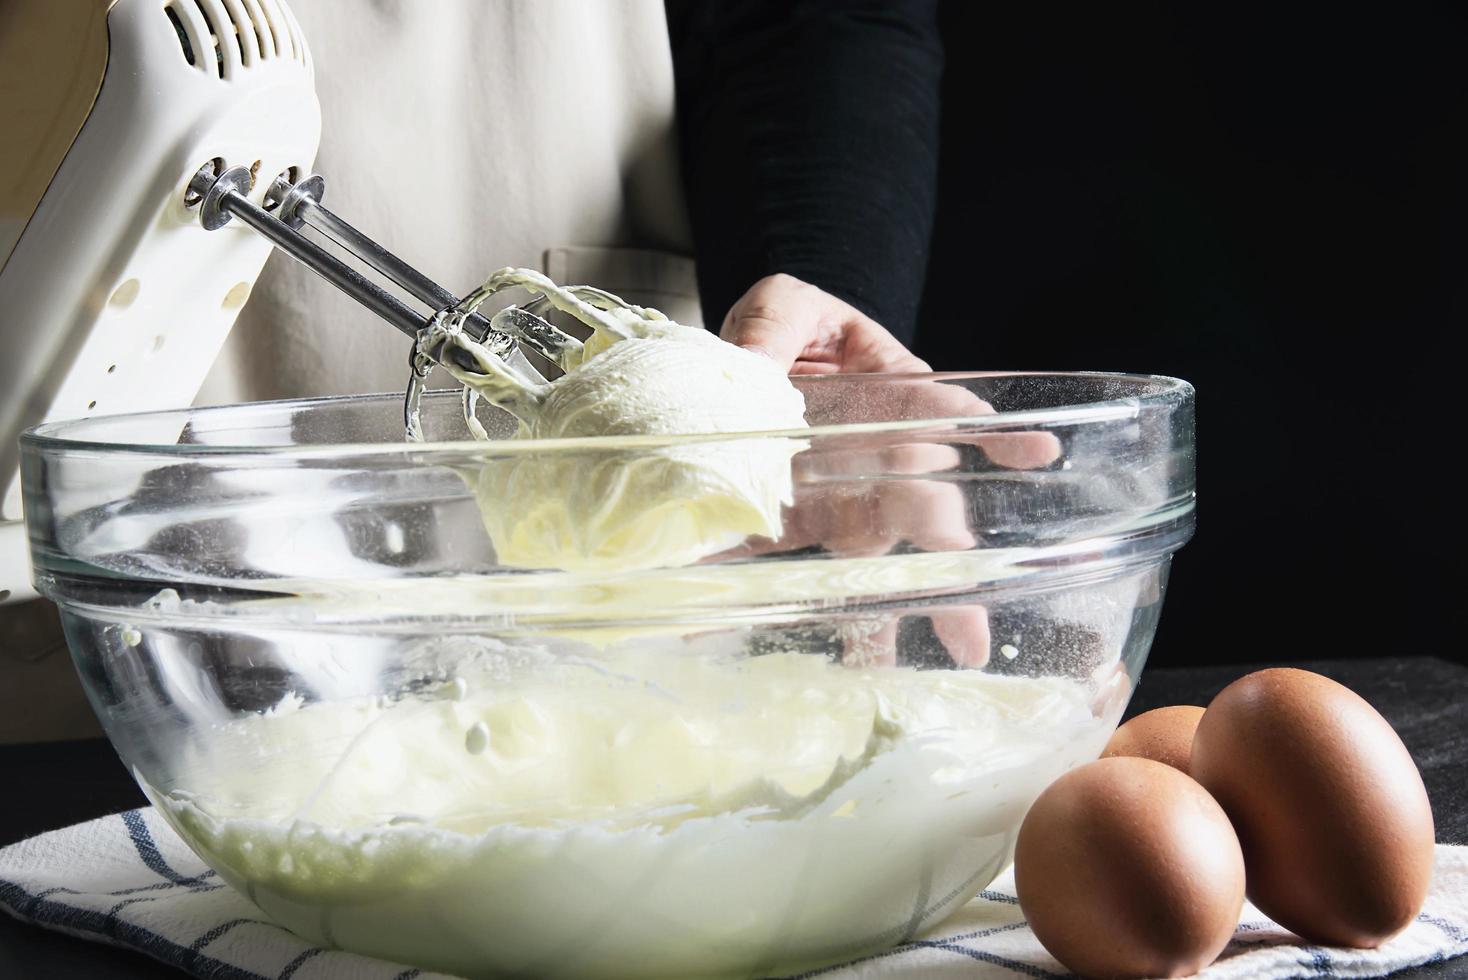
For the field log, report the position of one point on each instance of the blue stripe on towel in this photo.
(158, 886)
(1025, 969)
(948, 944)
(981, 933)
(113, 921)
(1451, 931)
(1320, 962)
(148, 851)
(999, 897)
(144, 940)
(295, 964)
(121, 892)
(224, 927)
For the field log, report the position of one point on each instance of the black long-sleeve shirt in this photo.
(809, 137)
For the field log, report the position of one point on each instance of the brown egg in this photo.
(1163, 735)
(1127, 868)
(1329, 807)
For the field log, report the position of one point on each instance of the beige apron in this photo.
(465, 136)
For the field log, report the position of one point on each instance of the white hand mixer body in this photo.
(112, 297)
(205, 111)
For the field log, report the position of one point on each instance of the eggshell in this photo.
(1330, 809)
(1163, 735)
(1128, 868)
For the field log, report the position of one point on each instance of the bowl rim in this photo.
(52, 437)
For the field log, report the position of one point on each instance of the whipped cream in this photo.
(638, 374)
(626, 509)
(629, 813)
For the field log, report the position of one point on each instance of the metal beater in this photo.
(221, 193)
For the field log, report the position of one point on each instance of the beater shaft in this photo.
(304, 206)
(222, 196)
(324, 264)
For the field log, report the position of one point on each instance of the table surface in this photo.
(61, 783)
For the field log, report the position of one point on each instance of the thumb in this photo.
(766, 330)
(778, 316)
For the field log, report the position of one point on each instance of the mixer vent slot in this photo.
(221, 37)
(216, 41)
(184, 42)
(275, 29)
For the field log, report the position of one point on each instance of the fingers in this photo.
(768, 330)
(868, 348)
(808, 331)
(1020, 450)
(869, 643)
(931, 514)
(848, 523)
(779, 316)
(1012, 450)
(964, 633)
(1112, 690)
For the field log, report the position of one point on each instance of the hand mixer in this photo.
(136, 131)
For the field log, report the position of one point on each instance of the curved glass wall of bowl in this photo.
(965, 583)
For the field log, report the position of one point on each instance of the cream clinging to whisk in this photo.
(638, 373)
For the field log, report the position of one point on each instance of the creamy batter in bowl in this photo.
(299, 636)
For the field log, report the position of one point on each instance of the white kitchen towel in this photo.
(128, 880)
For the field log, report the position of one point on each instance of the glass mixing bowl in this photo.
(295, 630)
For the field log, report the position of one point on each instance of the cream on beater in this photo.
(638, 374)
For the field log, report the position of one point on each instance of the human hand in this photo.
(864, 494)
(852, 515)
(806, 330)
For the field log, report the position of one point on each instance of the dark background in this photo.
(1270, 205)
